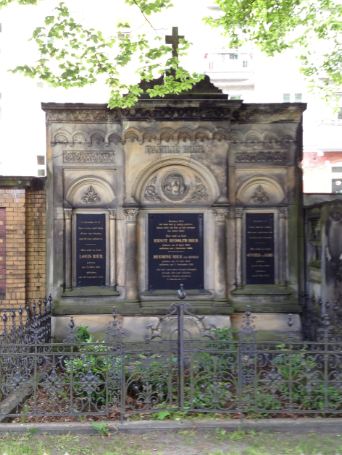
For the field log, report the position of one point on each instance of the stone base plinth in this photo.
(271, 326)
(136, 328)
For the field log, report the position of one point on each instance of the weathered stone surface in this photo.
(194, 154)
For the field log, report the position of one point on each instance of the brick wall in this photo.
(22, 241)
(12, 201)
(35, 244)
(2, 252)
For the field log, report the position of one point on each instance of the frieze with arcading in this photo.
(88, 156)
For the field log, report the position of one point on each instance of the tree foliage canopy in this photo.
(72, 55)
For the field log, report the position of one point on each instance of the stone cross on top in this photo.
(174, 40)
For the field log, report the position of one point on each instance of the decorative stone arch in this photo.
(79, 138)
(133, 135)
(202, 135)
(97, 138)
(184, 135)
(220, 135)
(150, 135)
(62, 136)
(253, 136)
(262, 191)
(270, 138)
(167, 135)
(113, 138)
(199, 185)
(236, 136)
(90, 192)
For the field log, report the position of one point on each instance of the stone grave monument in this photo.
(194, 189)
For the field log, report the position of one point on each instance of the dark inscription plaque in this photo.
(259, 248)
(175, 251)
(90, 250)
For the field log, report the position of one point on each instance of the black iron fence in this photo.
(182, 366)
(29, 325)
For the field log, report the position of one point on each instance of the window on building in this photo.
(41, 172)
(235, 97)
(245, 63)
(298, 97)
(336, 185)
(286, 97)
(233, 56)
(339, 113)
(41, 160)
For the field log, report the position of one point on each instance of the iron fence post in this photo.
(180, 349)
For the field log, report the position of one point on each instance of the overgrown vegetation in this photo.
(220, 374)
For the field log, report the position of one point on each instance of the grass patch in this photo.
(215, 442)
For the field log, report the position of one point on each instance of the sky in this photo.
(22, 122)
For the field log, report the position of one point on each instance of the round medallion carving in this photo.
(174, 186)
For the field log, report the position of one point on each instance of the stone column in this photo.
(67, 249)
(112, 248)
(131, 253)
(220, 253)
(283, 247)
(238, 251)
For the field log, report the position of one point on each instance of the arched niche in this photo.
(62, 136)
(90, 192)
(175, 181)
(262, 191)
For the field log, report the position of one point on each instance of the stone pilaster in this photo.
(238, 246)
(112, 248)
(220, 252)
(67, 249)
(283, 245)
(131, 215)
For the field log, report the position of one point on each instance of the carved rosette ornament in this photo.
(90, 196)
(259, 196)
(174, 186)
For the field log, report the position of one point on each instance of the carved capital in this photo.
(238, 212)
(220, 214)
(112, 214)
(131, 214)
(283, 212)
(67, 214)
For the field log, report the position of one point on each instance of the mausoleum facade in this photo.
(196, 190)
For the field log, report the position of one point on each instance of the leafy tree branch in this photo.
(71, 55)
